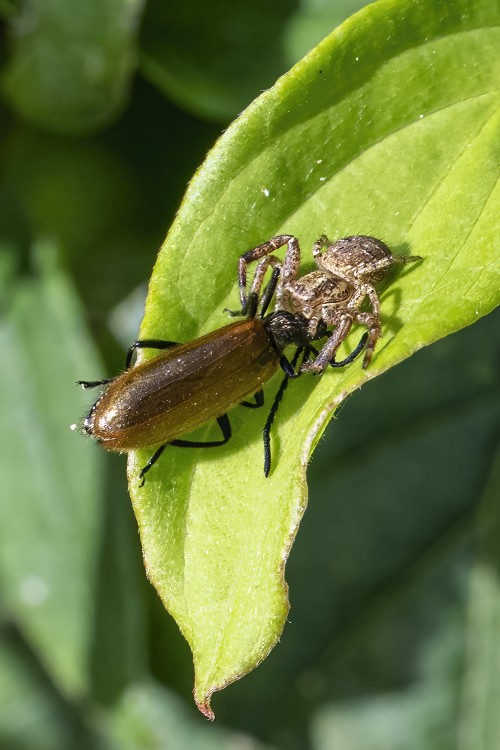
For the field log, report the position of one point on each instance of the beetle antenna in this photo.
(266, 433)
(269, 291)
(352, 356)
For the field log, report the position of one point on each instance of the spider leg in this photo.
(319, 245)
(372, 322)
(329, 349)
(261, 251)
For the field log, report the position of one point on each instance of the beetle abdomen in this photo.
(183, 388)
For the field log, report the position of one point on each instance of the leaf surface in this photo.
(390, 127)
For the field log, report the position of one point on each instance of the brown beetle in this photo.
(181, 389)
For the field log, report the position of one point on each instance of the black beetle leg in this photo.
(259, 400)
(266, 433)
(154, 458)
(147, 344)
(225, 427)
(86, 384)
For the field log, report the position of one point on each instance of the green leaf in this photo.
(377, 572)
(389, 127)
(79, 627)
(69, 72)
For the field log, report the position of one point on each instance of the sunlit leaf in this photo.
(389, 127)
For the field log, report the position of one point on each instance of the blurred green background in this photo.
(107, 109)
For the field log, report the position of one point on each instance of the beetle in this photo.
(156, 401)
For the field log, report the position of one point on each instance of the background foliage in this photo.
(392, 640)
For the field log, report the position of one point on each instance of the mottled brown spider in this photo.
(330, 296)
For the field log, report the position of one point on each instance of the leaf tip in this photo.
(203, 705)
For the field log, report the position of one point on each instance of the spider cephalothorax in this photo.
(331, 296)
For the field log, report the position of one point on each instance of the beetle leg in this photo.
(86, 384)
(147, 344)
(259, 400)
(266, 433)
(143, 344)
(260, 272)
(225, 427)
(289, 367)
(250, 301)
(154, 458)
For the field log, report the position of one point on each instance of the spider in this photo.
(333, 294)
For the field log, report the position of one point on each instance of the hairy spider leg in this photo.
(327, 352)
(322, 242)
(263, 254)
